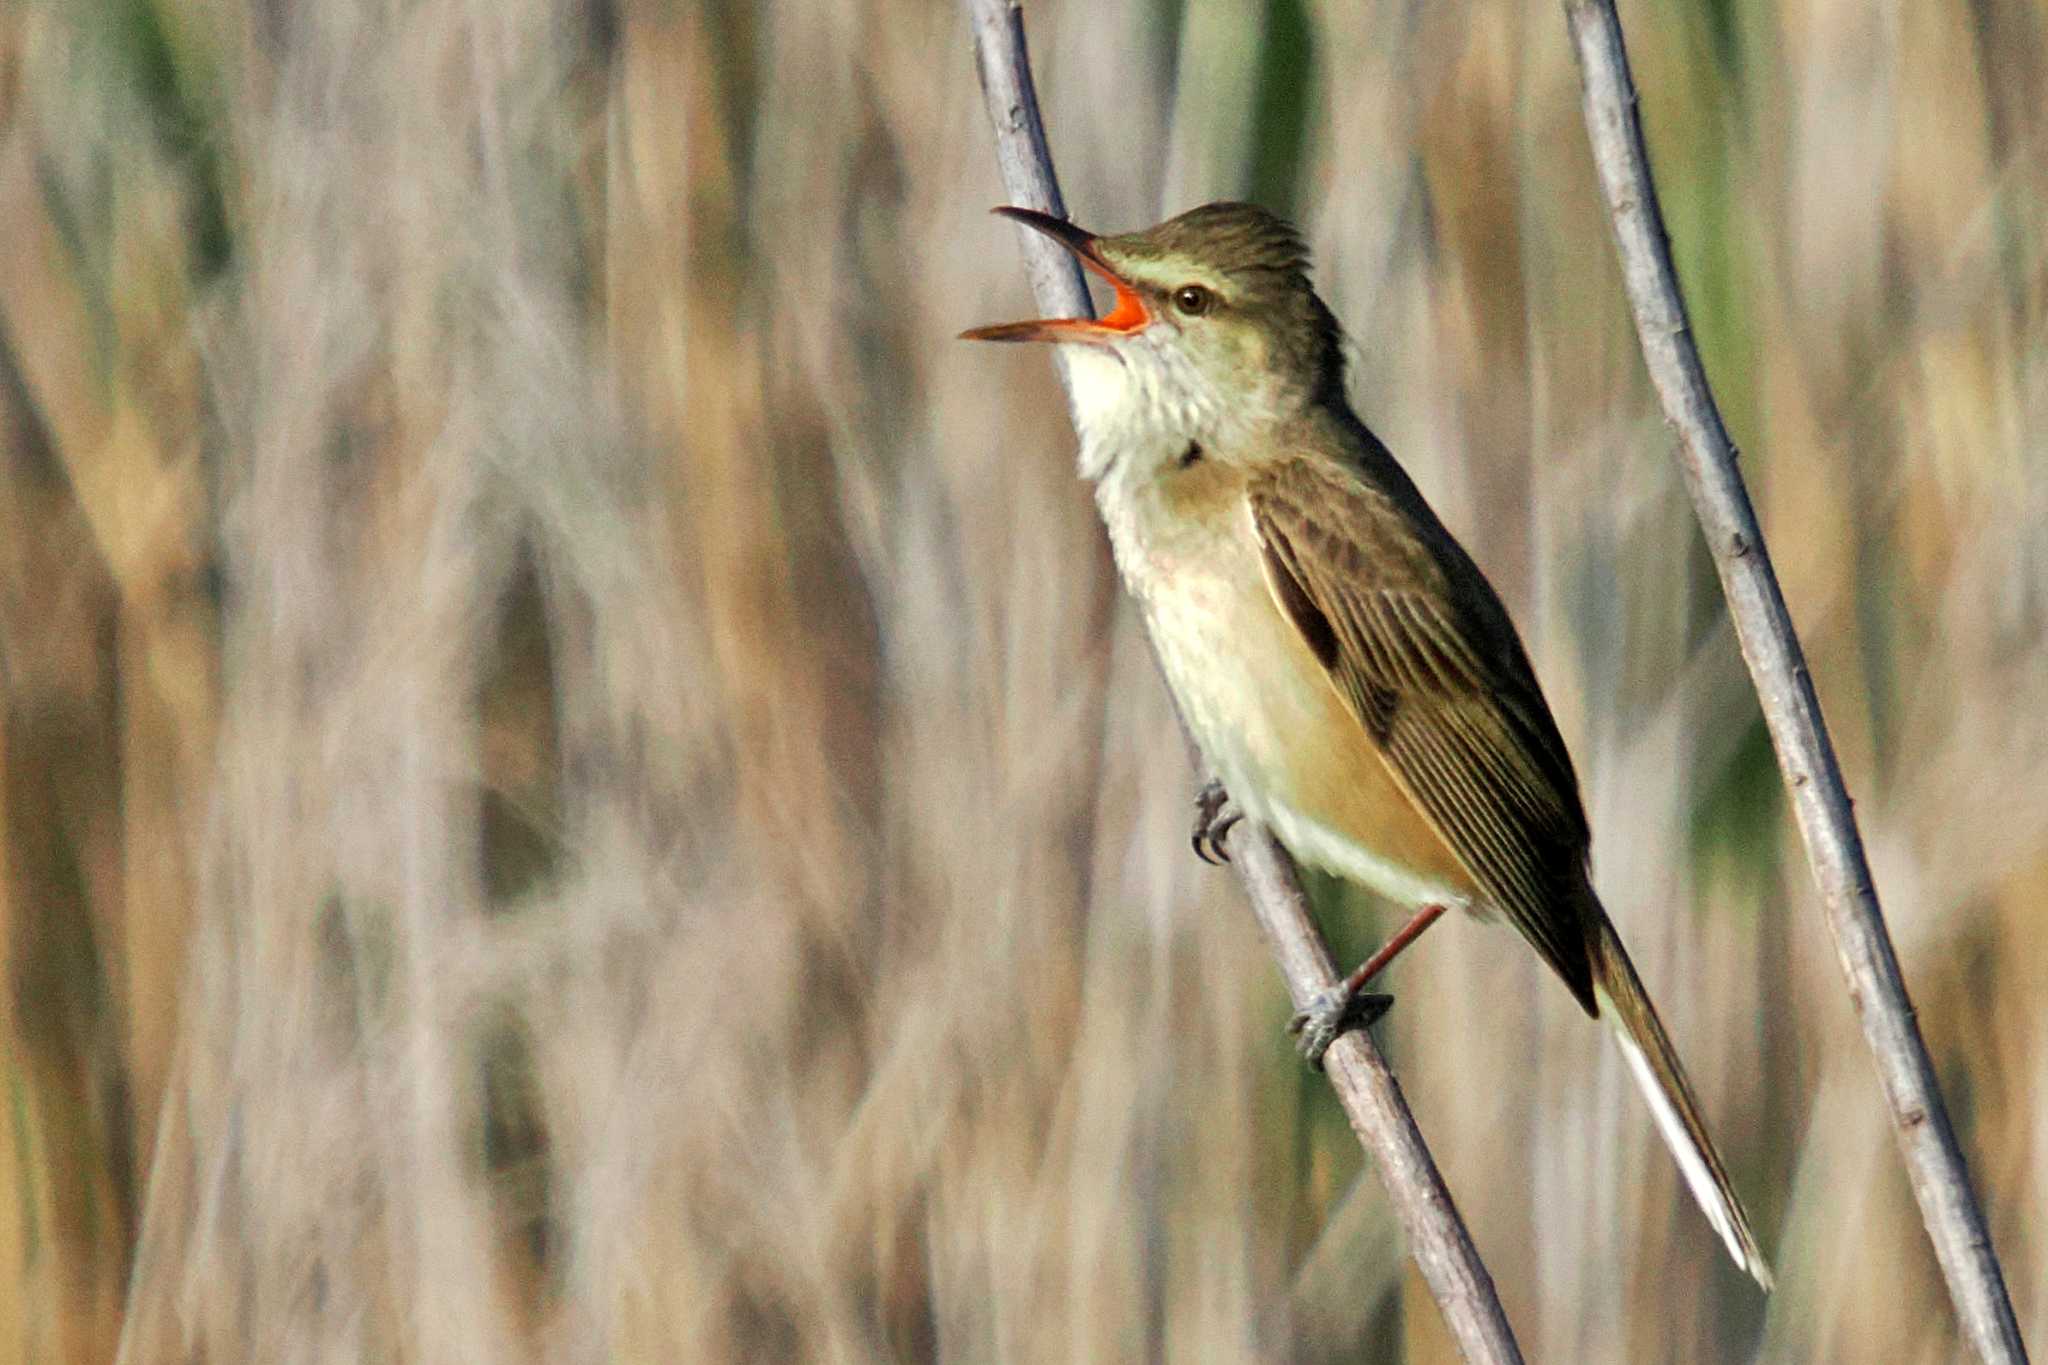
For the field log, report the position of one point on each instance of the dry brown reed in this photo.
(570, 785)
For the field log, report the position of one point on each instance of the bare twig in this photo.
(1378, 1112)
(1371, 1097)
(1778, 666)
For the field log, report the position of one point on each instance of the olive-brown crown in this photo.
(1257, 263)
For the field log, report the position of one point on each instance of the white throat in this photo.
(1134, 407)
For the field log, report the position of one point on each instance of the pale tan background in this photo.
(574, 787)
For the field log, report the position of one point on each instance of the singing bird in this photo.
(1345, 667)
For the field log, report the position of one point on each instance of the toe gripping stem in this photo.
(1215, 817)
(1346, 1005)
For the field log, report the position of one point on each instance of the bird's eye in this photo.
(1193, 300)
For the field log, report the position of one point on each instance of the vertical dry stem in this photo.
(1371, 1097)
(1934, 1163)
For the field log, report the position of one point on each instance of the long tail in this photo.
(1655, 1066)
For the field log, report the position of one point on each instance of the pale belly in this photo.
(1286, 746)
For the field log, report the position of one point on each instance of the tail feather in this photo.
(1654, 1064)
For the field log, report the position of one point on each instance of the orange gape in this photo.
(1128, 313)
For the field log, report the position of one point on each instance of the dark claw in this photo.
(1214, 819)
(1330, 1016)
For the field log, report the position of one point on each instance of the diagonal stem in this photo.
(1777, 665)
(1371, 1096)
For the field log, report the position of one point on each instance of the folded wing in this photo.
(1421, 649)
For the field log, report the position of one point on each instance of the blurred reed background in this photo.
(573, 784)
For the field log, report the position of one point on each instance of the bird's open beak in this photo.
(1125, 316)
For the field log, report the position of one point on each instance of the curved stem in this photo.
(1777, 666)
(1358, 1072)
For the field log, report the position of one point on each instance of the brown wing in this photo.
(1419, 645)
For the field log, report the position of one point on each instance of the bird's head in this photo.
(1213, 331)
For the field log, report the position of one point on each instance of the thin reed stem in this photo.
(1777, 665)
(1364, 1083)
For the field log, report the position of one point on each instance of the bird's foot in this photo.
(1331, 1014)
(1215, 814)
